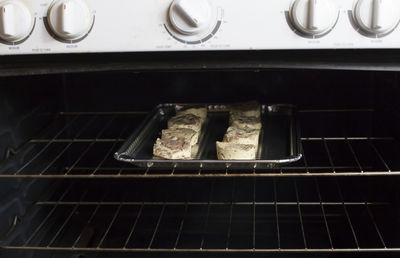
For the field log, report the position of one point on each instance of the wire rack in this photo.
(213, 215)
(81, 145)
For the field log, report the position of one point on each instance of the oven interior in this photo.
(64, 195)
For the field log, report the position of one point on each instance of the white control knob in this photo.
(377, 16)
(314, 17)
(16, 21)
(190, 16)
(70, 19)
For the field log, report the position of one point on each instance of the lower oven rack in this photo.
(214, 215)
(81, 144)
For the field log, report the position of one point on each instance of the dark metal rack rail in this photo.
(80, 145)
(275, 215)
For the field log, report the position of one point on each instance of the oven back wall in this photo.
(308, 89)
(305, 88)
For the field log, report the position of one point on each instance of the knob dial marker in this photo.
(313, 17)
(190, 17)
(67, 18)
(70, 19)
(377, 17)
(16, 21)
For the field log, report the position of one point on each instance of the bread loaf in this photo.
(242, 136)
(245, 121)
(189, 135)
(235, 151)
(197, 111)
(187, 121)
(251, 108)
(174, 148)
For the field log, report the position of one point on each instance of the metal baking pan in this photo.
(280, 141)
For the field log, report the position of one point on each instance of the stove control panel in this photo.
(86, 26)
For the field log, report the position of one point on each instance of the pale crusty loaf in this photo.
(242, 136)
(197, 111)
(188, 121)
(175, 148)
(189, 135)
(235, 151)
(241, 139)
(245, 121)
(251, 108)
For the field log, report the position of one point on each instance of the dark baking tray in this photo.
(280, 141)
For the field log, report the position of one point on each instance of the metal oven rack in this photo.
(306, 207)
(80, 145)
(253, 215)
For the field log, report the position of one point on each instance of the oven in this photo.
(78, 77)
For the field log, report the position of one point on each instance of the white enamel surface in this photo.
(70, 19)
(377, 16)
(16, 21)
(138, 26)
(314, 17)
